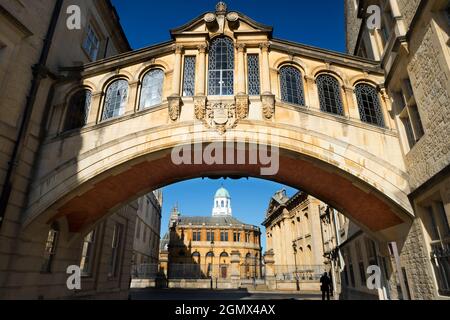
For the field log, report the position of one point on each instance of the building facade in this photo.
(89, 135)
(293, 230)
(413, 49)
(219, 247)
(148, 229)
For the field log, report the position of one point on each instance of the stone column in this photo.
(200, 92)
(132, 99)
(242, 102)
(235, 269)
(386, 107)
(95, 109)
(270, 270)
(267, 97)
(174, 99)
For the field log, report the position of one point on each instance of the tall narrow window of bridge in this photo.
(221, 67)
(253, 75)
(116, 99)
(189, 76)
(78, 110)
(292, 86)
(369, 105)
(329, 94)
(152, 89)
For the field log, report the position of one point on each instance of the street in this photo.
(198, 294)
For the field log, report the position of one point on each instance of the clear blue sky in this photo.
(316, 23)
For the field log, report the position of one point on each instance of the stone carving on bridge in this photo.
(200, 107)
(220, 116)
(268, 105)
(242, 106)
(174, 107)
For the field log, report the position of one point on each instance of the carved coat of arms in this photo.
(220, 116)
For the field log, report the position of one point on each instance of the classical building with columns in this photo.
(218, 247)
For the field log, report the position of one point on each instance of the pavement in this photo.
(214, 295)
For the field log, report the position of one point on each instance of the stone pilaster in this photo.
(265, 80)
(175, 100)
(201, 71)
(95, 109)
(131, 106)
(241, 69)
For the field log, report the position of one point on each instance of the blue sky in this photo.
(316, 23)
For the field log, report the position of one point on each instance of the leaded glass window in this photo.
(292, 86)
(152, 89)
(329, 95)
(78, 110)
(369, 105)
(189, 77)
(253, 74)
(221, 67)
(116, 99)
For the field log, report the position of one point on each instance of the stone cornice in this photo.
(334, 57)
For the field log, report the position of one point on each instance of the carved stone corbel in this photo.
(174, 107)
(268, 105)
(242, 106)
(200, 107)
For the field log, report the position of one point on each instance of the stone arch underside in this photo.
(366, 189)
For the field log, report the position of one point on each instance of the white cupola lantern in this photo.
(222, 204)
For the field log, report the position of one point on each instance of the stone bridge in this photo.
(117, 155)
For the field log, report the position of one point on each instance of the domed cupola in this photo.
(222, 204)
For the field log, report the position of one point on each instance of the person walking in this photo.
(325, 284)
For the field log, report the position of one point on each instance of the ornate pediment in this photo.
(219, 21)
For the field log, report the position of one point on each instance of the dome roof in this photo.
(222, 193)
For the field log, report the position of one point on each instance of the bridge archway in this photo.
(97, 181)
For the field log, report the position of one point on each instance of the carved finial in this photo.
(221, 8)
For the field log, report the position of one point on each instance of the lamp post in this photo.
(294, 246)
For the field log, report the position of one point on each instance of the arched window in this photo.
(292, 86)
(196, 257)
(221, 67)
(223, 204)
(78, 110)
(369, 105)
(329, 94)
(116, 99)
(152, 89)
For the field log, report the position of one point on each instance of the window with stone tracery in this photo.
(189, 76)
(78, 110)
(369, 105)
(152, 89)
(116, 99)
(221, 67)
(253, 75)
(329, 94)
(292, 86)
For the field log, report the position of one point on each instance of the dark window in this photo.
(221, 67)
(292, 86)
(115, 250)
(116, 99)
(189, 77)
(253, 74)
(224, 236)
(329, 95)
(210, 236)
(78, 110)
(369, 105)
(87, 254)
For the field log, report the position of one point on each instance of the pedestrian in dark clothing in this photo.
(325, 284)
